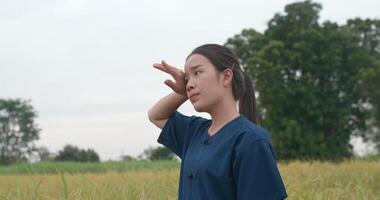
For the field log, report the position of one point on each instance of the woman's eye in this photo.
(196, 72)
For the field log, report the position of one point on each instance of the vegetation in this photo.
(317, 85)
(350, 179)
(73, 153)
(18, 130)
(317, 82)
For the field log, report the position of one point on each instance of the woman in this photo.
(229, 156)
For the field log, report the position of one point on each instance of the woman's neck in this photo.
(221, 114)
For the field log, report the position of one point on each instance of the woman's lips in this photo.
(194, 97)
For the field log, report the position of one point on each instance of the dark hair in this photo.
(242, 87)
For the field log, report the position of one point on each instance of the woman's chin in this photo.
(197, 107)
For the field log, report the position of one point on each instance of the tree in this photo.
(371, 94)
(73, 153)
(369, 33)
(127, 158)
(18, 131)
(159, 153)
(44, 154)
(307, 76)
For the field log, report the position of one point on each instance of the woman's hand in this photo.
(179, 86)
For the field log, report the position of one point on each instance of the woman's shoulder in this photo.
(249, 132)
(178, 114)
(194, 121)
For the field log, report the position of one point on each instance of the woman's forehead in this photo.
(196, 60)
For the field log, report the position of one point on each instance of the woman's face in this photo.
(204, 87)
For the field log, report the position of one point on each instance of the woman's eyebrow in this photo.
(193, 68)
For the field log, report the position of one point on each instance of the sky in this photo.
(87, 68)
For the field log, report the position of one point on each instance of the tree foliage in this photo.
(44, 154)
(368, 31)
(73, 153)
(159, 153)
(309, 79)
(18, 131)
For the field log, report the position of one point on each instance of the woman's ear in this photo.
(227, 76)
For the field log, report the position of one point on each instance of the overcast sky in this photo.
(87, 68)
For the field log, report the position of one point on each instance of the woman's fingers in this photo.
(171, 84)
(178, 75)
(170, 69)
(159, 66)
(163, 66)
(167, 66)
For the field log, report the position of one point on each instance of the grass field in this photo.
(351, 179)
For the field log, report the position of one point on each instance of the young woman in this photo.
(229, 156)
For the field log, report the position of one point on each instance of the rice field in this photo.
(144, 180)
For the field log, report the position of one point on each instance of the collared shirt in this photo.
(236, 163)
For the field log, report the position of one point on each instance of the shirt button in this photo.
(206, 142)
(192, 176)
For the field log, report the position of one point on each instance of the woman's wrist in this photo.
(182, 97)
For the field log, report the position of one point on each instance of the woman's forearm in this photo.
(166, 106)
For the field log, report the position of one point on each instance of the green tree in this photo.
(73, 153)
(44, 154)
(159, 153)
(18, 131)
(368, 31)
(307, 76)
(127, 158)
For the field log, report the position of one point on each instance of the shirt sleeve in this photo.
(176, 132)
(256, 175)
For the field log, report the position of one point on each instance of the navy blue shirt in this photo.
(237, 162)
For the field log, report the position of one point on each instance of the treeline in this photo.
(18, 132)
(76, 154)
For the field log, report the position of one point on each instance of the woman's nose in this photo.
(189, 86)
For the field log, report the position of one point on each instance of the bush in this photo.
(73, 153)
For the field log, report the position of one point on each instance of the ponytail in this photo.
(247, 101)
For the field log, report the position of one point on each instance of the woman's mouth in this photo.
(194, 97)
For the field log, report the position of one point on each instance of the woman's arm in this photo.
(166, 106)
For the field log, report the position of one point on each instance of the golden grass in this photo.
(348, 180)
(147, 184)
